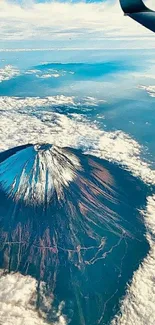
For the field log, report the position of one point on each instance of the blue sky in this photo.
(69, 24)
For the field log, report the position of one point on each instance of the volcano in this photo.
(72, 221)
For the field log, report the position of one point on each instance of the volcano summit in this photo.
(37, 173)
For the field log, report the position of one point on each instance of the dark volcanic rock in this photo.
(71, 221)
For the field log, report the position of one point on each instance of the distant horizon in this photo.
(74, 25)
(70, 49)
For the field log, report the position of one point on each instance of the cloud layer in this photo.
(18, 296)
(8, 72)
(149, 89)
(71, 24)
(138, 307)
(37, 119)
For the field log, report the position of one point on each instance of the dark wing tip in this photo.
(133, 6)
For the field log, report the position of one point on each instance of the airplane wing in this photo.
(137, 10)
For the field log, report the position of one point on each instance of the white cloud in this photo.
(48, 75)
(149, 89)
(71, 22)
(150, 4)
(138, 306)
(18, 301)
(29, 103)
(8, 72)
(30, 119)
(16, 103)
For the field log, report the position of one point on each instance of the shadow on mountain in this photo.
(73, 222)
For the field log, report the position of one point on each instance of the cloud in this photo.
(48, 75)
(18, 297)
(149, 89)
(29, 103)
(138, 306)
(8, 72)
(70, 23)
(37, 120)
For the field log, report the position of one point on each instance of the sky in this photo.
(70, 25)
